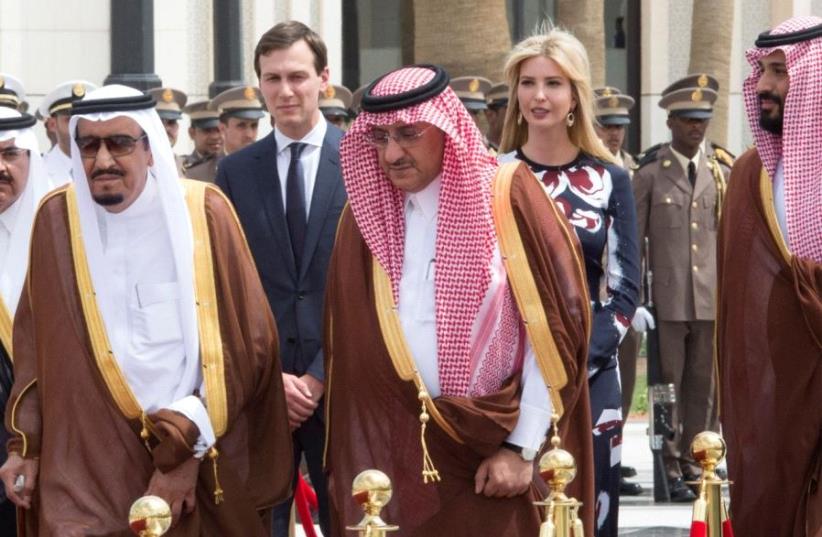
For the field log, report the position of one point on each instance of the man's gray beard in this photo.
(109, 199)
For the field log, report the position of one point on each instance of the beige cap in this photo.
(692, 96)
(201, 116)
(612, 107)
(244, 102)
(471, 90)
(497, 96)
(170, 102)
(335, 101)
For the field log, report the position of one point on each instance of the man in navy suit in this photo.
(288, 192)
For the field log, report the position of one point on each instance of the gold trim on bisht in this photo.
(6, 323)
(524, 286)
(766, 191)
(211, 350)
(403, 362)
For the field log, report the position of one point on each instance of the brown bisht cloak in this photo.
(769, 349)
(93, 463)
(373, 416)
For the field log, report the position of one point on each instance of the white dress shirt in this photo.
(683, 160)
(310, 158)
(137, 249)
(417, 317)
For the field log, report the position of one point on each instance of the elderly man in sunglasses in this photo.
(467, 356)
(145, 355)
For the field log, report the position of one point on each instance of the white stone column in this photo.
(655, 74)
(785, 9)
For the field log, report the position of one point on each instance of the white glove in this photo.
(643, 320)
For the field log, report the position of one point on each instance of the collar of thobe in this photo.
(170, 192)
(145, 203)
(314, 137)
(683, 160)
(9, 217)
(427, 200)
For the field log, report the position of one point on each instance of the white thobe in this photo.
(138, 254)
(779, 201)
(417, 317)
(58, 166)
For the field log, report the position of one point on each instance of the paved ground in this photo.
(639, 516)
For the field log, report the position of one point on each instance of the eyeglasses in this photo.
(13, 155)
(405, 136)
(118, 145)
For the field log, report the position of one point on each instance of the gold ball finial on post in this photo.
(149, 516)
(710, 512)
(372, 490)
(708, 449)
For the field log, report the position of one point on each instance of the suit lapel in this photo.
(325, 187)
(270, 192)
(675, 173)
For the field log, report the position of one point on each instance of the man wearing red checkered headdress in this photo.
(769, 318)
(456, 322)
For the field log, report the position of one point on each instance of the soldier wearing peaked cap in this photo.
(170, 103)
(204, 131)
(472, 90)
(56, 109)
(496, 105)
(334, 104)
(12, 93)
(356, 99)
(613, 116)
(678, 192)
(240, 111)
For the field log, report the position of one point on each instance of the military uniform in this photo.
(200, 166)
(680, 221)
(335, 102)
(12, 93)
(496, 101)
(471, 91)
(170, 104)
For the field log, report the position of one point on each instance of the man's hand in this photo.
(643, 320)
(176, 487)
(300, 399)
(503, 475)
(15, 468)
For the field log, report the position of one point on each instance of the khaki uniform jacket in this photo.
(201, 167)
(680, 223)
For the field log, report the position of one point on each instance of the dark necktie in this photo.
(295, 202)
(692, 173)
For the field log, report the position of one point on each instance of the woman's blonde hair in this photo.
(570, 55)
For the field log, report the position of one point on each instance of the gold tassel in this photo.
(218, 491)
(700, 510)
(578, 530)
(548, 529)
(429, 472)
(144, 434)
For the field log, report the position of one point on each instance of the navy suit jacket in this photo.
(251, 181)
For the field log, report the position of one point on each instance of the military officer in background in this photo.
(612, 110)
(356, 99)
(204, 131)
(240, 110)
(613, 117)
(170, 104)
(12, 93)
(678, 191)
(56, 111)
(496, 102)
(472, 90)
(334, 104)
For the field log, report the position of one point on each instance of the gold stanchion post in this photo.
(558, 468)
(149, 516)
(372, 489)
(710, 516)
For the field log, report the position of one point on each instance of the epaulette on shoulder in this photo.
(723, 155)
(649, 155)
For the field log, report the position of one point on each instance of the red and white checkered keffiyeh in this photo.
(466, 239)
(802, 130)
